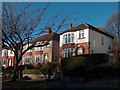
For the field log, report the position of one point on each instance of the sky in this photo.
(94, 13)
(60, 0)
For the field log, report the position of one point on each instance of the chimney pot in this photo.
(48, 30)
(70, 26)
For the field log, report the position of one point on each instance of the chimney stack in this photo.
(48, 30)
(70, 26)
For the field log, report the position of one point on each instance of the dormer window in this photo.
(81, 34)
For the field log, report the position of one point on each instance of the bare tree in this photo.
(21, 24)
(113, 25)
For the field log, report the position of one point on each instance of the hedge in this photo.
(31, 71)
(80, 66)
(95, 59)
(73, 66)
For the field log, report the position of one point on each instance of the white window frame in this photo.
(39, 58)
(38, 48)
(68, 38)
(81, 34)
(68, 52)
(5, 52)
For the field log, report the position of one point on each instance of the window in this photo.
(28, 59)
(102, 40)
(46, 56)
(38, 58)
(81, 34)
(80, 51)
(5, 52)
(39, 49)
(4, 61)
(48, 45)
(11, 52)
(68, 38)
(68, 52)
(94, 43)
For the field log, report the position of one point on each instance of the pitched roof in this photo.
(85, 26)
(45, 37)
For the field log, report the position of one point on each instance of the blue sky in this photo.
(94, 13)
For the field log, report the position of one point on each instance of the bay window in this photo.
(68, 38)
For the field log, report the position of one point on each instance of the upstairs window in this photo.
(11, 52)
(5, 52)
(68, 38)
(48, 45)
(81, 34)
(102, 40)
(39, 49)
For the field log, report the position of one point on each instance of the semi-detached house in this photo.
(84, 39)
(44, 54)
(81, 39)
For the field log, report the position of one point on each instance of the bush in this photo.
(29, 66)
(101, 71)
(47, 69)
(32, 71)
(73, 66)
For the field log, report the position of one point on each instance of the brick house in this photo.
(84, 39)
(81, 39)
(48, 53)
(7, 57)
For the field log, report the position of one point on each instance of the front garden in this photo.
(80, 68)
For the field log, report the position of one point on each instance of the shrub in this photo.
(47, 69)
(73, 66)
(101, 71)
(29, 66)
(32, 71)
(95, 59)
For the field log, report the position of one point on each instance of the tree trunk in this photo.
(14, 74)
(20, 73)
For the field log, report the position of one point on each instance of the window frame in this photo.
(68, 52)
(68, 38)
(81, 34)
(38, 58)
(102, 40)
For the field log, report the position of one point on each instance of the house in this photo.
(38, 54)
(7, 57)
(84, 39)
